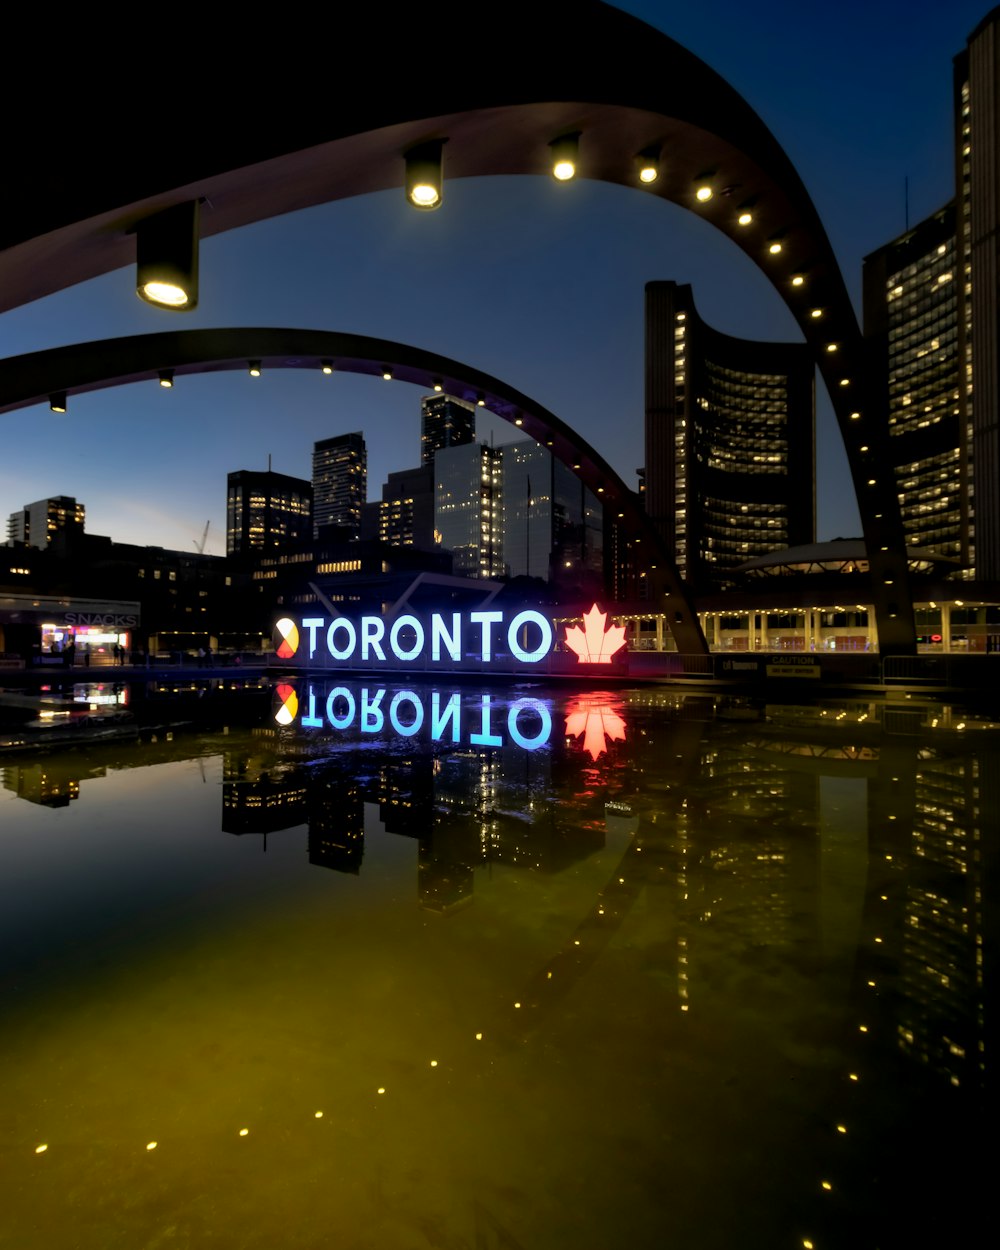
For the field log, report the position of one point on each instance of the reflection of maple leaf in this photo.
(598, 720)
(595, 644)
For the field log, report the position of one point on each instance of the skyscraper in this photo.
(553, 525)
(730, 440)
(930, 311)
(912, 315)
(445, 422)
(37, 522)
(266, 512)
(406, 510)
(468, 507)
(339, 482)
(977, 169)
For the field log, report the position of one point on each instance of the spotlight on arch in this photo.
(57, 402)
(166, 255)
(326, 366)
(387, 373)
(253, 367)
(423, 174)
(647, 165)
(703, 188)
(166, 377)
(565, 154)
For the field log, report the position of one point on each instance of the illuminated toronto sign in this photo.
(479, 720)
(471, 639)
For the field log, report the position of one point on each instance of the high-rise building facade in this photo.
(931, 319)
(445, 422)
(406, 509)
(977, 165)
(36, 523)
(912, 314)
(339, 482)
(553, 525)
(266, 512)
(730, 440)
(468, 508)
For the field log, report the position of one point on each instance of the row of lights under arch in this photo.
(167, 241)
(59, 402)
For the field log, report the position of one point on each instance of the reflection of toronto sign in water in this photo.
(449, 717)
(480, 721)
(527, 637)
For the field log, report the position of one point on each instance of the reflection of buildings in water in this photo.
(403, 788)
(336, 814)
(51, 782)
(445, 880)
(929, 918)
(761, 849)
(260, 795)
(468, 807)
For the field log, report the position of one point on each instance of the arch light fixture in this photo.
(424, 176)
(565, 155)
(166, 257)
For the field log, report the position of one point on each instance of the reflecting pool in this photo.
(362, 966)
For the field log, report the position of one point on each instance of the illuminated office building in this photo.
(912, 315)
(930, 311)
(405, 513)
(444, 422)
(266, 512)
(730, 440)
(553, 525)
(37, 523)
(339, 482)
(468, 507)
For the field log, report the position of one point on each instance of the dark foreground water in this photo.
(500, 969)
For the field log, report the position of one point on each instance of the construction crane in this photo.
(200, 546)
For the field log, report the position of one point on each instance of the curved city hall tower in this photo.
(730, 440)
(931, 321)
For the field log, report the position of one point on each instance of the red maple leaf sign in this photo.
(595, 643)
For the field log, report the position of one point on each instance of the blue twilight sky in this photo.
(538, 284)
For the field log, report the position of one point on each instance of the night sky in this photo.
(536, 283)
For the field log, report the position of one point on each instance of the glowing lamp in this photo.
(565, 153)
(424, 174)
(166, 252)
(647, 165)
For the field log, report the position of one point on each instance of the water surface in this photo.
(671, 971)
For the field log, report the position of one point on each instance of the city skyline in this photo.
(538, 284)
